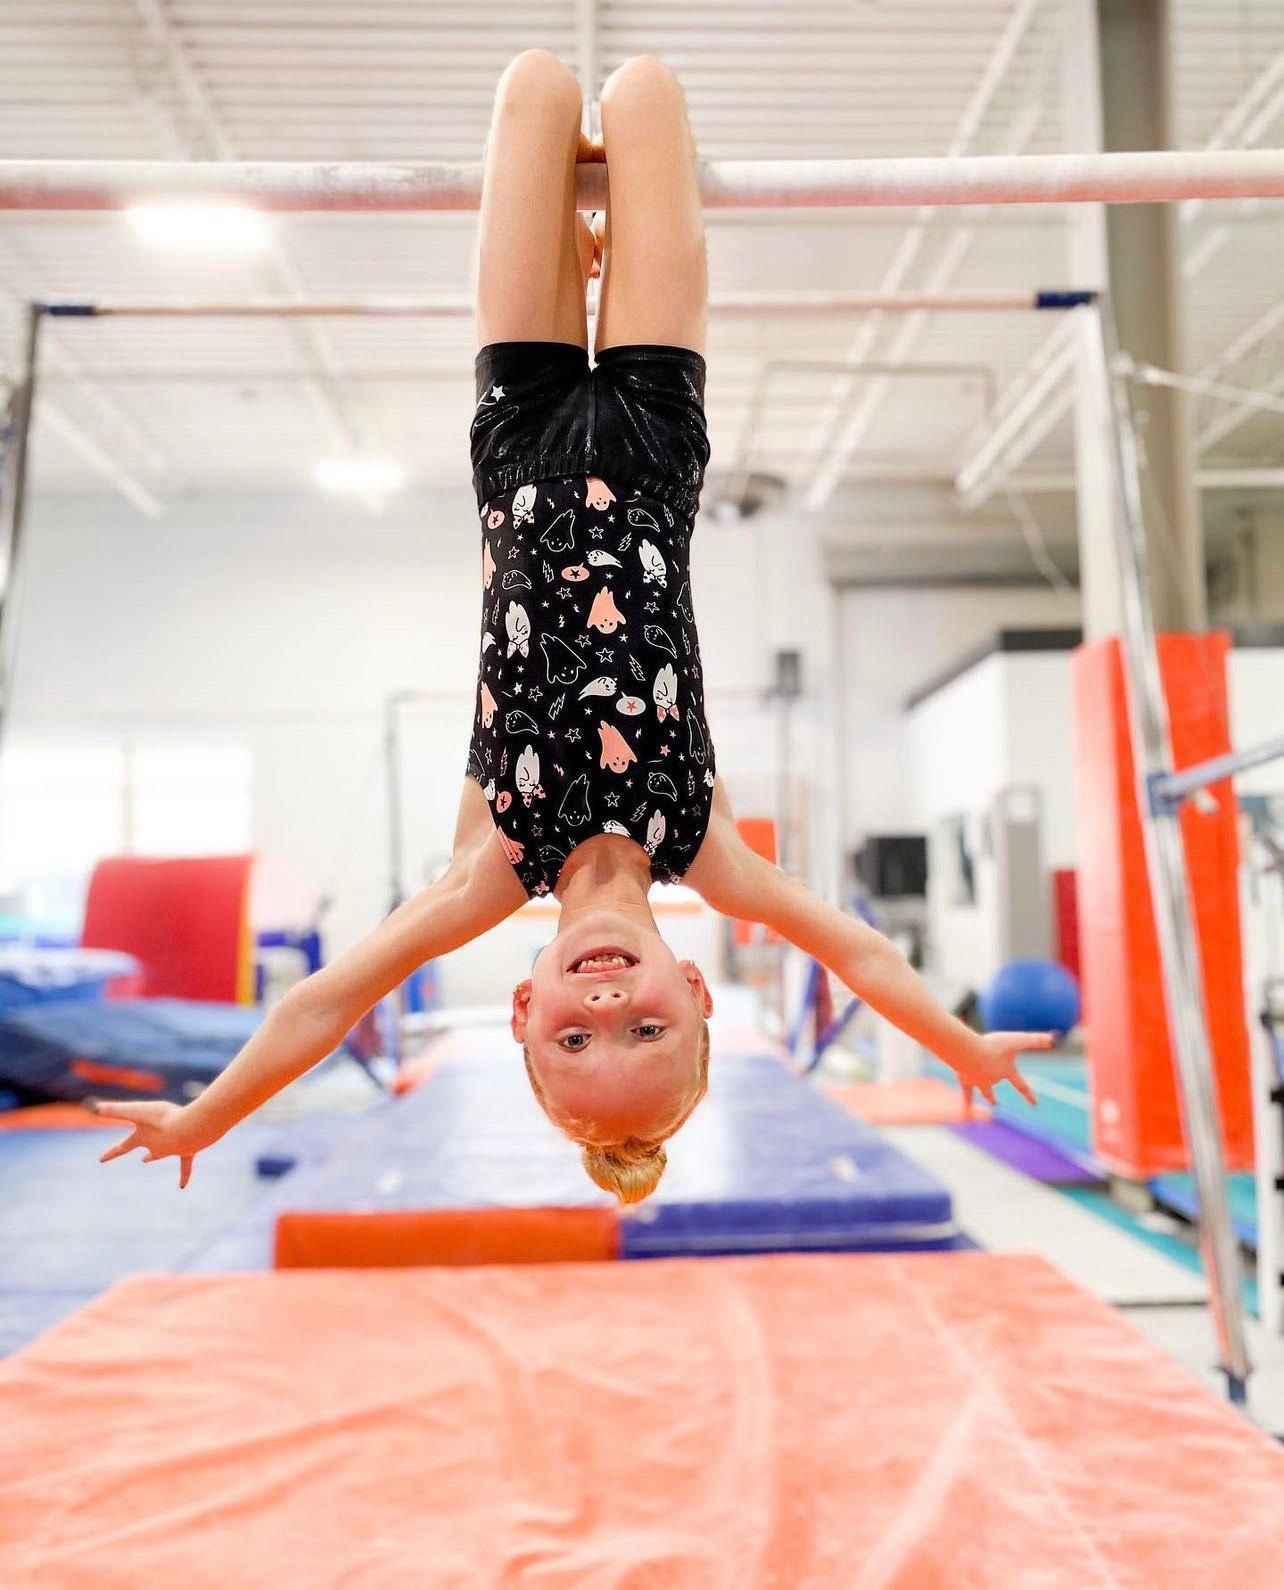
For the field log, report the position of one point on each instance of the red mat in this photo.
(916, 1101)
(915, 1422)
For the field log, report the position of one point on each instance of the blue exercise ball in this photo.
(1031, 996)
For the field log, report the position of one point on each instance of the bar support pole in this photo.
(1170, 884)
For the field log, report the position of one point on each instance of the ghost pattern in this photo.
(617, 753)
(604, 616)
(563, 665)
(589, 666)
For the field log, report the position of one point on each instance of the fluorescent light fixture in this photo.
(225, 228)
(361, 477)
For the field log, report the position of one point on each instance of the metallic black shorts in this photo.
(635, 418)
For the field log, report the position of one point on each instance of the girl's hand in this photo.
(992, 1059)
(161, 1128)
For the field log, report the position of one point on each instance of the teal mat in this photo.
(1063, 1116)
(1176, 1190)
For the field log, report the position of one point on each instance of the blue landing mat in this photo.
(69, 1050)
(765, 1164)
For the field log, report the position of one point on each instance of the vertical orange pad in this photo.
(1136, 1124)
(905, 1422)
(386, 1238)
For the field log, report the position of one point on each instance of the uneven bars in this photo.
(1118, 178)
(437, 305)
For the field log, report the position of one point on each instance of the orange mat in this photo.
(379, 1237)
(44, 1117)
(911, 1422)
(916, 1101)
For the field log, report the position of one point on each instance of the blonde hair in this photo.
(631, 1169)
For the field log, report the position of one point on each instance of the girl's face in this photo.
(611, 1021)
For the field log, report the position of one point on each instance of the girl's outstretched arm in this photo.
(739, 883)
(477, 891)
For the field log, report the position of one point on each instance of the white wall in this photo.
(894, 642)
(958, 755)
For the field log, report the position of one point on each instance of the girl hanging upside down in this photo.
(591, 771)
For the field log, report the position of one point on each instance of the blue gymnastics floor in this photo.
(70, 1227)
(765, 1164)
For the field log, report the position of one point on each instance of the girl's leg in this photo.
(654, 280)
(530, 282)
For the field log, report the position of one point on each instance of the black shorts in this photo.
(635, 419)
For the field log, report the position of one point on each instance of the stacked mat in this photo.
(765, 1164)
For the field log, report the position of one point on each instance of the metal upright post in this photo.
(1169, 881)
(13, 493)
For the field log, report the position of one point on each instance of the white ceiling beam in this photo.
(1216, 477)
(98, 458)
(324, 394)
(1242, 124)
(981, 473)
(77, 436)
(1248, 408)
(826, 466)
(910, 332)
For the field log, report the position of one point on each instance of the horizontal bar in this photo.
(447, 305)
(1168, 790)
(1116, 178)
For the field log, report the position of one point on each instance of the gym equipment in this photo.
(127, 1048)
(185, 919)
(765, 1164)
(1031, 996)
(1032, 1156)
(685, 1422)
(120, 1049)
(1146, 176)
(911, 1101)
(35, 975)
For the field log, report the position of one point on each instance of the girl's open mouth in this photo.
(606, 959)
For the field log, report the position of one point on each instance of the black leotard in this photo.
(590, 702)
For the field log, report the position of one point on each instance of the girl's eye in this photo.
(649, 1030)
(575, 1040)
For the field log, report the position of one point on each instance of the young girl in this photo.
(591, 771)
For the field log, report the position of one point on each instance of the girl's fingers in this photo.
(1023, 1087)
(1033, 1040)
(143, 1113)
(184, 1171)
(987, 1093)
(117, 1149)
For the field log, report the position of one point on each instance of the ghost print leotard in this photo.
(590, 703)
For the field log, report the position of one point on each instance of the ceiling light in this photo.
(361, 477)
(229, 228)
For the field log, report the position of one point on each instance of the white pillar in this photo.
(1087, 265)
(1144, 252)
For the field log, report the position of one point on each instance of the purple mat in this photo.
(1034, 1158)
